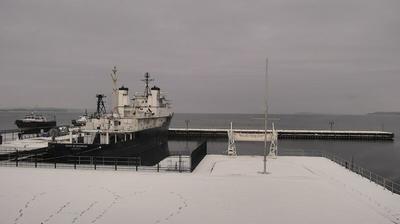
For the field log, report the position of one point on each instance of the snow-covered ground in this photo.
(221, 190)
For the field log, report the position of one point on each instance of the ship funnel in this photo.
(122, 100)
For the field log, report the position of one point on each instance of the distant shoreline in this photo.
(51, 109)
(384, 113)
(38, 110)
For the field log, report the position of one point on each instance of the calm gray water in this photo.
(382, 157)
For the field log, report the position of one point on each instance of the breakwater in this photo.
(258, 135)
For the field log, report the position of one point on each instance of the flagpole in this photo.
(265, 117)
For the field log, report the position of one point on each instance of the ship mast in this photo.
(114, 78)
(147, 80)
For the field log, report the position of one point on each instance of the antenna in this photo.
(147, 80)
(114, 78)
(265, 117)
(331, 123)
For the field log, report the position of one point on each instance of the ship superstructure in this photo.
(144, 111)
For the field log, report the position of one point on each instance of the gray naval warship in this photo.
(133, 126)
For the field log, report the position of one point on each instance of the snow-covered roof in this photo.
(221, 190)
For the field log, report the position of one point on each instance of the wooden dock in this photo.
(258, 135)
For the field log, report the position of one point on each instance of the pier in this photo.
(11, 139)
(258, 135)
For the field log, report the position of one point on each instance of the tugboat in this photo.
(133, 126)
(35, 122)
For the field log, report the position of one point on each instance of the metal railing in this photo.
(385, 182)
(92, 162)
(40, 158)
(184, 163)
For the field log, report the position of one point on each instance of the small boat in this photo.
(34, 121)
(81, 121)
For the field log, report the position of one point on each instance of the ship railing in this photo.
(385, 182)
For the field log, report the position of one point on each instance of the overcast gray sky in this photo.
(337, 56)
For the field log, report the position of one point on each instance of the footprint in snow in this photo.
(26, 206)
(84, 211)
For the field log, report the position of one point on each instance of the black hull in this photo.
(35, 127)
(150, 145)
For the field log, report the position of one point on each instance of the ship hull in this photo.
(153, 140)
(35, 126)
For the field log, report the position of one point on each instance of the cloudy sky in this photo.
(337, 56)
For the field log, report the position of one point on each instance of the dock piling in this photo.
(180, 162)
(35, 160)
(16, 158)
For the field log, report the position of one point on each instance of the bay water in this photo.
(381, 157)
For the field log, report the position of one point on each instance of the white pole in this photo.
(265, 116)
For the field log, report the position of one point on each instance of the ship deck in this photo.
(221, 190)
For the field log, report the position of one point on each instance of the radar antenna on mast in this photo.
(114, 78)
(101, 109)
(147, 80)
